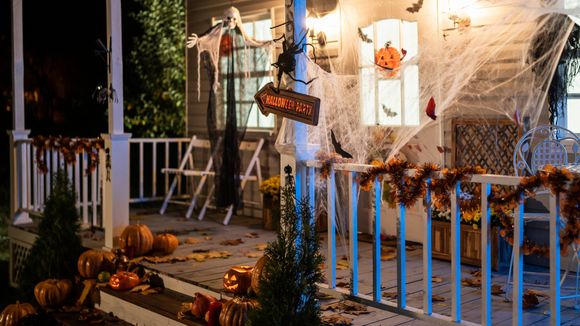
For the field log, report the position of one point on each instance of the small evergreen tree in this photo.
(55, 252)
(288, 289)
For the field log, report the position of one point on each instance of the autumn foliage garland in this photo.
(408, 189)
(68, 148)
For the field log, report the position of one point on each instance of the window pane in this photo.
(573, 115)
(367, 91)
(262, 30)
(249, 27)
(253, 117)
(575, 85)
(367, 54)
(388, 30)
(389, 106)
(410, 41)
(411, 78)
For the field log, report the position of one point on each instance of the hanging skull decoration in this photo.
(231, 17)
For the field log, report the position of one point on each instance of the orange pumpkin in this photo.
(138, 237)
(238, 279)
(52, 293)
(94, 261)
(201, 304)
(257, 273)
(165, 243)
(124, 281)
(235, 311)
(12, 314)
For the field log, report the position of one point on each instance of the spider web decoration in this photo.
(483, 71)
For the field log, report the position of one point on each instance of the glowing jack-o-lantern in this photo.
(238, 279)
(124, 281)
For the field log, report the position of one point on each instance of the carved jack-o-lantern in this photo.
(238, 279)
(124, 281)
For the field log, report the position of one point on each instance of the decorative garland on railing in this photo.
(407, 189)
(327, 160)
(68, 148)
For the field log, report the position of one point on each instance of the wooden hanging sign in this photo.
(288, 104)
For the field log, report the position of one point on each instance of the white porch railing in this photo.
(34, 187)
(426, 312)
(148, 157)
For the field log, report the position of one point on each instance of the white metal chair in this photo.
(187, 169)
(537, 148)
(255, 148)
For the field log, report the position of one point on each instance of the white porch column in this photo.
(115, 177)
(18, 132)
(296, 12)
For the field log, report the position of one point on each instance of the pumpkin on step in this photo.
(201, 304)
(238, 279)
(235, 311)
(124, 281)
(94, 261)
(165, 243)
(257, 273)
(137, 237)
(52, 293)
(12, 314)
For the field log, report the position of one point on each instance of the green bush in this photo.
(55, 252)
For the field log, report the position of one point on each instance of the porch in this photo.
(406, 286)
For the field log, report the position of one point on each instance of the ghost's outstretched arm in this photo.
(192, 40)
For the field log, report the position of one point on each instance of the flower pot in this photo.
(470, 244)
(270, 213)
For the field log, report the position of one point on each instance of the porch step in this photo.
(143, 310)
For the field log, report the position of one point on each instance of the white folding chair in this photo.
(187, 169)
(254, 164)
(540, 146)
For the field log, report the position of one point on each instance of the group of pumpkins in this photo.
(96, 264)
(239, 280)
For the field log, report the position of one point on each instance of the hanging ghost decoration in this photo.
(211, 40)
(227, 44)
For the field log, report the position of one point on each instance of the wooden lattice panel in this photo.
(488, 144)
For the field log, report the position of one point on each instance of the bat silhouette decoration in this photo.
(337, 147)
(415, 7)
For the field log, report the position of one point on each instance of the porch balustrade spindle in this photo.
(427, 259)
(455, 254)
(485, 255)
(85, 189)
(353, 230)
(331, 230)
(141, 171)
(28, 176)
(311, 193)
(377, 243)
(154, 172)
(77, 182)
(179, 177)
(518, 266)
(35, 180)
(94, 191)
(166, 166)
(554, 259)
(401, 258)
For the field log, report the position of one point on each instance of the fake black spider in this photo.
(286, 62)
(102, 94)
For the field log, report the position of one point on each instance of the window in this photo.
(390, 97)
(247, 82)
(572, 117)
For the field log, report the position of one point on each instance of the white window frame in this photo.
(409, 62)
(573, 94)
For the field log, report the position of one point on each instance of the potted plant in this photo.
(270, 189)
(470, 237)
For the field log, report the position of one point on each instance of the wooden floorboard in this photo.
(210, 272)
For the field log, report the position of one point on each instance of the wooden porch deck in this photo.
(208, 274)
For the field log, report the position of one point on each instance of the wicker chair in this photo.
(537, 148)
